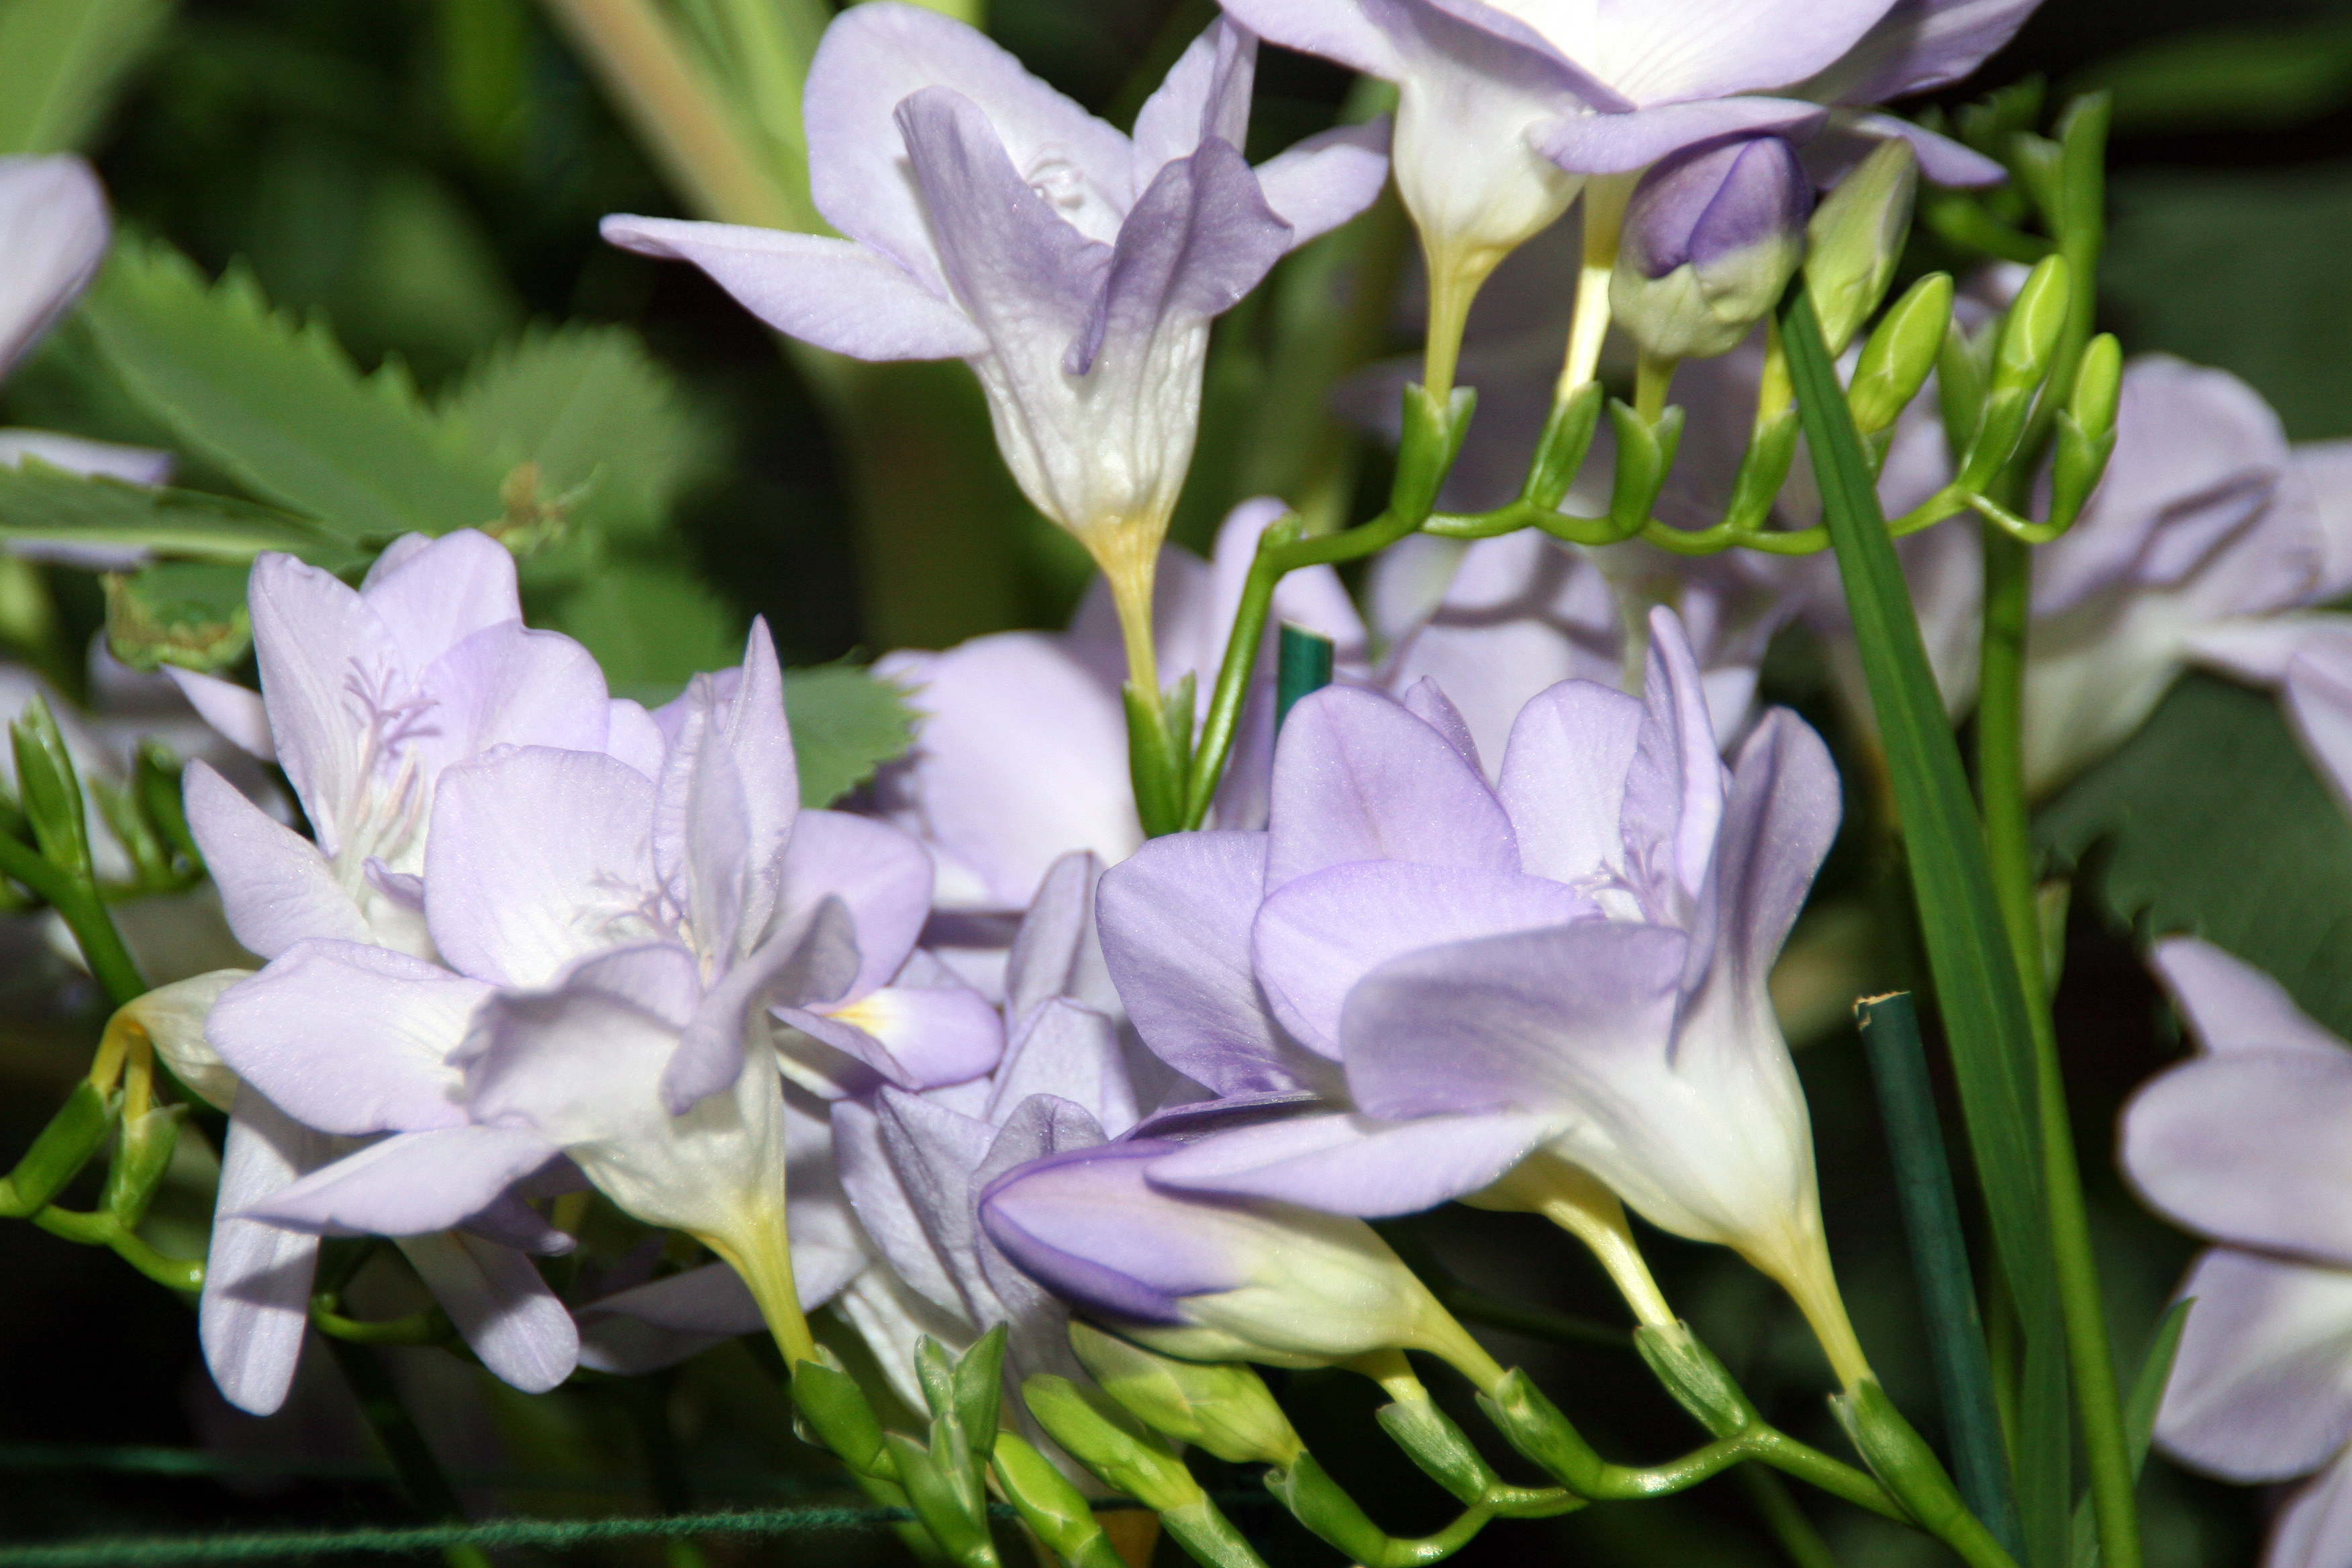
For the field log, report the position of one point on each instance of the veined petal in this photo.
(1668, 51)
(54, 231)
(507, 686)
(1564, 775)
(433, 594)
(350, 1038)
(2262, 1388)
(1055, 952)
(1357, 778)
(1919, 46)
(275, 886)
(1071, 1052)
(809, 960)
(257, 1295)
(498, 1301)
(1352, 1164)
(1321, 183)
(2246, 1147)
(881, 875)
(2231, 1005)
(1206, 93)
(1620, 143)
(235, 711)
(1316, 935)
(930, 1036)
(409, 1183)
(2314, 1529)
(1347, 32)
(1674, 789)
(835, 293)
(327, 662)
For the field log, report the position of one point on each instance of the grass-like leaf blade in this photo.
(42, 504)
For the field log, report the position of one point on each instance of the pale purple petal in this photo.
(1056, 953)
(835, 293)
(1620, 143)
(1323, 181)
(508, 686)
(631, 736)
(2319, 700)
(256, 1294)
(1674, 791)
(2247, 1147)
(79, 455)
(1563, 779)
(1669, 52)
(873, 58)
(1777, 825)
(1347, 33)
(885, 1194)
(1176, 933)
(533, 854)
(54, 231)
(1071, 1052)
(711, 1300)
(811, 960)
(2231, 1005)
(1852, 136)
(2314, 1529)
(1358, 777)
(1085, 1221)
(1318, 934)
(881, 875)
(2262, 1388)
(350, 1038)
(1206, 93)
(409, 1183)
(275, 886)
(234, 710)
(326, 659)
(1919, 46)
(498, 1301)
(1350, 1164)
(918, 1037)
(435, 593)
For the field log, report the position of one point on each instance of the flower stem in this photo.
(763, 1258)
(1654, 376)
(1604, 215)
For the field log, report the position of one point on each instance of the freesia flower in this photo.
(2242, 1144)
(993, 220)
(1711, 238)
(1511, 989)
(977, 786)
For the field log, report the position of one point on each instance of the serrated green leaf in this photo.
(846, 722)
(41, 502)
(280, 406)
(187, 613)
(61, 61)
(592, 408)
(2255, 857)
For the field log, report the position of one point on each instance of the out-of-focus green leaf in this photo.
(2256, 857)
(44, 504)
(2244, 270)
(61, 61)
(846, 722)
(2226, 78)
(592, 408)
(652, 627)
(280, 406)
(188, 613)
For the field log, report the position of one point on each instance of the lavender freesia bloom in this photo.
(993, 220)
(2243, 1145)
(615, 940)
(1514, 983)
(54, 232)
(1710, 239)
(972, 787)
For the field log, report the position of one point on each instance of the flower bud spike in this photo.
(1897, 358)
(1961, 371)
(2021, 358)
(1057, 1511)
(50, 790)
(1855, 238)
(1221, 1406)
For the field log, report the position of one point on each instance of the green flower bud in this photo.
(1105, 1438)
(1896, 360)
(2029, 332)
(1710, 240)
(1855, 236)
(1221, 1406)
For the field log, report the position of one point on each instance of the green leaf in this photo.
(44, 504)
(592, 408)
(652, 627)
(846, 722)
(1978, 988)
(280, 406)
(2255, 857)
(187, 613)
(61, 61)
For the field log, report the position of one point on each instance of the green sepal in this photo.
(1115, 1447)
(1446, 1455)
(1200, 1529)
(50, 790)
(1763, 469)
(1645, 454)
(1560, 452)
(59, 1152)
(1432, 440)
(1698, 1382)
(141, 1158)
(156, 777)
(1961, 372)
(978, 1388)
(1054, 1509)
(1900, 1459)
(1178, 706)
(118, 807)
(1151, 762)
(831, 1406)
(1221, 1406)
(2029, 330)
(1323, 1507)
(1535, 1426)
(940, 1501)
(2040, 166)
(1899, 353)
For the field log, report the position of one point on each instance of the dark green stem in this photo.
(1789, 1527)
(84, 912)
(429, 1491)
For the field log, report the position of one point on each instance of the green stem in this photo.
(84, 912)
(396, 1430)
(1789, 1527)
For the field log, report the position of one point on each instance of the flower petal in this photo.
(409, 1183)
(2262, 1388)
(325, 658)
(233, 709)
(1206, 93)
(2231, 1005)
(275, 886)
(835, 293)
(1055, 952)
(2246, 1147)
(502, 1306)
(1563, 779)
(1352, 1165)
(2314, 1529)
(350, 1038)
(1917, 45)
(1620, 143)
(54, 231)
(433, 594)
(257, 1296)
(881, 875)
(1319, 184)
(1071, 1052)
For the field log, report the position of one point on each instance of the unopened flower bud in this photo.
(1208, 1279)
(1221, 1406)
(1855, 238)
(173, 1018)
(1710, 239)
(1896, 360)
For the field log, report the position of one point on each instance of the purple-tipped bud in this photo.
(1206, 1278)
(1710, 239)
